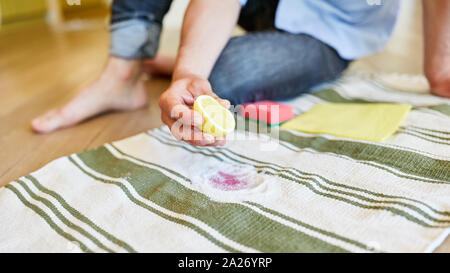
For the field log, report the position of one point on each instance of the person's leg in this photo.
(258, 15)
(273, 65)
(270, 64)
(135, 31)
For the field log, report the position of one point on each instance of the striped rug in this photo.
(310, 193)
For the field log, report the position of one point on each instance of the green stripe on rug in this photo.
(331, 95)
(157, 212)
(407, 162)
(62, 218)
(331, 234)
(166, 136)
(421, 136)
(287, 174)
(237, 222)
(430, 130)
(441, 108)
(47, 219)
(381, 167)
(427, 134)
(290, 170)
(75, 213)
(327, 233)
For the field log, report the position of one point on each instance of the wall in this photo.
(16, 10)
(21, 10)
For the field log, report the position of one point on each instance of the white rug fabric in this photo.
(296, 192)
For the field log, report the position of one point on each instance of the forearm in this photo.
(206, 29)
(437, 45)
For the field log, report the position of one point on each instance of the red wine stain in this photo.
(229, 182)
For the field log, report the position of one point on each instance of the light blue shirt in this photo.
(355, 28)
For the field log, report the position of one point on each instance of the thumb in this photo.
(224, 102)
(199, 87)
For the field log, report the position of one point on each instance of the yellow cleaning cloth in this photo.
(373, 122)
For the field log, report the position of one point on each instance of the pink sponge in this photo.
(270, 112)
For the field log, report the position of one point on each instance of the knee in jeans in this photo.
(235, 95)
(135, 39)
(225, 86)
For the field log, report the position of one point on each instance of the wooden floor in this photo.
(41, 68)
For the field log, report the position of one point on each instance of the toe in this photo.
(47, 122)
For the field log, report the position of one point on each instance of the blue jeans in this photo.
(265, 63)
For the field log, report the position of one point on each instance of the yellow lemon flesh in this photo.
(218, 121)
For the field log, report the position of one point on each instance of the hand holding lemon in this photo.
(204, 124)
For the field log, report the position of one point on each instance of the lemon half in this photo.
(218, 121)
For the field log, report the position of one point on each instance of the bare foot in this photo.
(160, 65)
(120, 87)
